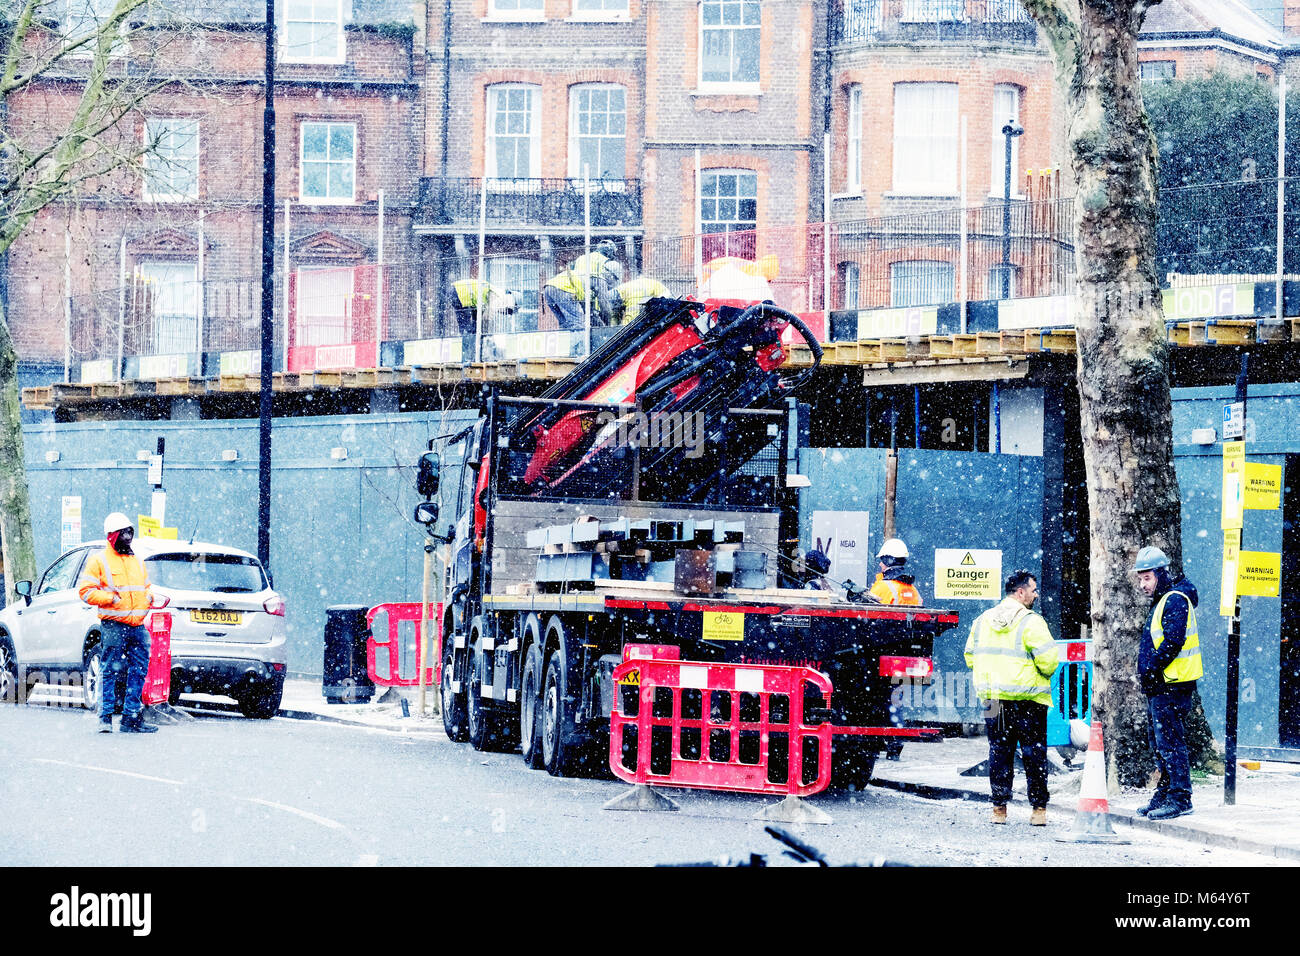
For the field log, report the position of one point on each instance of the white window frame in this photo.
(748, 226)
(905, 297)
(932, 11)
(160, 170)
(89, 12)
(318, 17)
(1148, 66)
(999, 150)
(853, 147)
(598, 11)
(995, 280)
(501, 272)
(312, 321)
(725, 6)
(925, 141)
(326, 200)
(516, 11)
(851, 273)
(534, 113)
(575, 135)
(175, 306)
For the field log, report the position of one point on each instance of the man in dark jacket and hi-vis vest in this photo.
(115, 582)
(1169, 665)
(894, 584)
(1013, 656)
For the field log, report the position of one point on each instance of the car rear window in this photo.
(229, 573)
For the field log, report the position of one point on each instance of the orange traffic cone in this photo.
(1092, 820)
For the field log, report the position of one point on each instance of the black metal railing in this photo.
(911, 21)
(529, 203)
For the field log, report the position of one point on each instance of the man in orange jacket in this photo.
(115, 582)
(893, 584)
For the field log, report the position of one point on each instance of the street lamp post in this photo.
(1010, 131)
(268, 301)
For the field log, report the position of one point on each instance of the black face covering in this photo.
(122, 543)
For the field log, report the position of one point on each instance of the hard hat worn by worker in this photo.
(116, 522)
(1150, 559)
(893, 585)
(893, 548)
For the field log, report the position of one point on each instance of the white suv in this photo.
(227, 633)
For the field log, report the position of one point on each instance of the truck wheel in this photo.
(530, 708)
(453, 704)
(481, 725)
(851, 765)
(559, 750)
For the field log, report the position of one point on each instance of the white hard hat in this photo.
(893, 548)
(116, 522)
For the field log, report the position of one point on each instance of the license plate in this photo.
(210, 616)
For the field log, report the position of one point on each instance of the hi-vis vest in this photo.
(573, 280)
(895, 592)
(1187, 665)
(469, 292)
(1015, 663)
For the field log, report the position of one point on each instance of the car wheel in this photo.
(92, 678)
(453, 704)
(8, 673)
(260, 700)
(530, 708)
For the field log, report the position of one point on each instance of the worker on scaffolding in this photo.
(630, 298)
(469, 297)
(589, 277)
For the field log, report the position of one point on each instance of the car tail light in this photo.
(274, 605)
(157, 601)
(277, 666)
(906, 667)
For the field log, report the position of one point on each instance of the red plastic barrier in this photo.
(714, 758)
(158, 680)
(396, 613)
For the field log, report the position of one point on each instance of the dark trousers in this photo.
(1166, 722)
(125, 649)
(568, 310)
(1012, 723)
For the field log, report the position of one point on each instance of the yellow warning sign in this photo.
(723, 626)
(970, 574)
(1234, 484)
(1263, 486)
(633, 678)
(1228, 583)
(152, 528)
(1259, 574)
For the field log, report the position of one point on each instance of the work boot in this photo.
(1156, 801)
(1000, 813)
(1170, 810)
(136, 725)
(105, 725)
(1039, 817)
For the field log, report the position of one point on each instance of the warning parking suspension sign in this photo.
(967, 574)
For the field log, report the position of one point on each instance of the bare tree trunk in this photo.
(15, 507)
(1123, 374)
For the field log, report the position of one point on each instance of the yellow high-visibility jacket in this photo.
(573, 280)
(107, 570)
(1012, 653)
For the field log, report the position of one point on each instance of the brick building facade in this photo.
(118, 266)
(687, 116)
